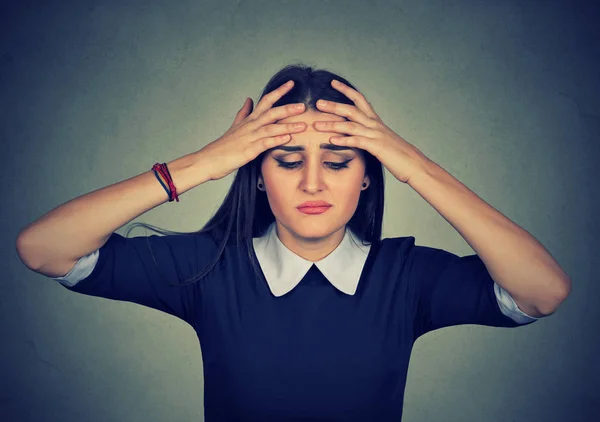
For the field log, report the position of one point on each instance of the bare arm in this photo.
(52, 244)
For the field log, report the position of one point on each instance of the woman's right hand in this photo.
(252, 133)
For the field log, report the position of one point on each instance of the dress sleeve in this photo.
(452, 290)
(509, 307)
(145, 270)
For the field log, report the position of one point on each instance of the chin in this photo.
(314, 229)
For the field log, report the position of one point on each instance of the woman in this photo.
(303, 312)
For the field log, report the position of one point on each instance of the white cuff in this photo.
(83, 268)
(509, 307)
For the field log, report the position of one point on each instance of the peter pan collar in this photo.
(283, 269)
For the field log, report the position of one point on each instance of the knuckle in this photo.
(268, 115)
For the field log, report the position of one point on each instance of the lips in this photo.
(312, 204)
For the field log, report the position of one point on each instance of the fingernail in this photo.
(299, 106)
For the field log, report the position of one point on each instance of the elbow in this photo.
(21, 247)
(563, 290)
(28, 252)
(25, 249)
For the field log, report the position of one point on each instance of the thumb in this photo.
(243, 112)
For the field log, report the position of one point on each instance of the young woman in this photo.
(302, 311)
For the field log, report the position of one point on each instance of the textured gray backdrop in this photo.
(502, 94)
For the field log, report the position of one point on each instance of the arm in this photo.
(52, 244)
(513, 257)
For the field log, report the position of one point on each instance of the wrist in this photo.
(422, 167)
(203, 162)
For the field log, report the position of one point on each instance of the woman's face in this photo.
(313, 177)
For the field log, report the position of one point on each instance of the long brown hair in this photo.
(245, 212)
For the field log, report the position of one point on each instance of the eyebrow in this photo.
(331, 147)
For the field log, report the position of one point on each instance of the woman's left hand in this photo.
(368, 132)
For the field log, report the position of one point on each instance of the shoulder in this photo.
(404, 250)
(408, 245)
(396, 245)
(391, 251)
(176, 242)
(190, 249)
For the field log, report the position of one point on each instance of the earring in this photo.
(260, 186)
(364, 185)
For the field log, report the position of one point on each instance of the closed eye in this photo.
(333, 166)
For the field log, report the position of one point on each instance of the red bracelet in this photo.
(164, 172)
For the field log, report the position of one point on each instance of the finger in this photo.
(350, 128)
(280, 129)
(275, 114)
(348, 111)
(243, 112)
(256, 148)
(361, 142)
(272, 97)
(358, 98)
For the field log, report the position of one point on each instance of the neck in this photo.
(310, 247)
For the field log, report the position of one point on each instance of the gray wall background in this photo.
(502, 94)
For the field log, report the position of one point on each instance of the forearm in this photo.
(83, 224)
(513, 257)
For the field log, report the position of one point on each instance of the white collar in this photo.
(283, 269)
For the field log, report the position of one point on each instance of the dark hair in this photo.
(245, 212)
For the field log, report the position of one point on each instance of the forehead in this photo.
(309, 137)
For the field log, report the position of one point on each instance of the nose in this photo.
(312, 177)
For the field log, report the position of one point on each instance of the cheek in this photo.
(349, 195)
(279, 197)
(347, 191)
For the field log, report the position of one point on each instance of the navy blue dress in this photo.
(315, 353)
